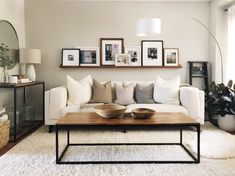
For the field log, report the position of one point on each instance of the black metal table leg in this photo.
(15, 114)
(68, 136)
(198, 143)
(57, 144)
(181, 135)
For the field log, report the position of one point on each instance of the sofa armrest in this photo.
(55, 100)
(193, 100)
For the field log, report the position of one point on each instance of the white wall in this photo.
(53, 25)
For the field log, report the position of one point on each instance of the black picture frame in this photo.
(70, 57)
(152, 53)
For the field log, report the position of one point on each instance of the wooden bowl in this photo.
(110, 110)
(143, 113)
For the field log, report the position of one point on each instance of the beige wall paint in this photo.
(53, 25)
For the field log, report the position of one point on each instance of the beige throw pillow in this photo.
(124, 94)
(102, 93)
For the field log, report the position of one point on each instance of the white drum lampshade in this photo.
(30, 56)
(148, 26)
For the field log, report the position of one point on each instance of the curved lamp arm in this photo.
(217, 43)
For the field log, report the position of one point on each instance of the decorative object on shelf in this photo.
(221, 104)
(122, 59)
(108, 48)
(217, 44)
(8, 59)
(152, 52)
(110, 110)
(70, 57)
(89, 56)
(171, 56)
(13, 79)
(135, 53)
(148, 26)
(143, 113)
(30, 56)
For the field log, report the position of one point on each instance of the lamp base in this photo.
(30, 72)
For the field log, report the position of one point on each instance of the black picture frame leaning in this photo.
(152, 53)
(70, 57)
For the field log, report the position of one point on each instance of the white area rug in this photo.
(36, 154)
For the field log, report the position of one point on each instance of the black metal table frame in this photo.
(24, 86)
(195, 159)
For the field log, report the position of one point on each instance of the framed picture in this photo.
(135, 55)
(70, 56)
(89, 56)
(171, 57)
(152, 52)
(108, 48)
(122, 59)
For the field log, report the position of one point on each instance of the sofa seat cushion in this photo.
(159, 107)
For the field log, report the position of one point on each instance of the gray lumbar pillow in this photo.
(144, 94)
(124, 94)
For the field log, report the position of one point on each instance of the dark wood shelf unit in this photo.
(111, 66)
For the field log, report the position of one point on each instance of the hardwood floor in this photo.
(10, 145)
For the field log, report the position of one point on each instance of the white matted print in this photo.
(70, 56)
(135, 55)
(171, 57)
(152, 52)
(110, 47)
(89, 56)
(122, 59)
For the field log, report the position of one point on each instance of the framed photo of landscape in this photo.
(108, 48)
(89, 56)
(152, 52)
(135, 55)
(70, 57)
(171, 56)
(122, 59)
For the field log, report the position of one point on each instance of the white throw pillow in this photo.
(166, 91)
(79, 91)
(124, 94)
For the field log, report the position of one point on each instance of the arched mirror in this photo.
(9, 47)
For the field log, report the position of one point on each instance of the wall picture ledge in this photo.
(108, 48)
(152, 52)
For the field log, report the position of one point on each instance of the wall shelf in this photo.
(162, 67)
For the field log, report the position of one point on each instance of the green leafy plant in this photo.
(221, 99)
(5, 61)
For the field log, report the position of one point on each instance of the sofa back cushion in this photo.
(101, 93)
(79, 91)
(144, 94)
(167, 91)
(124, 94)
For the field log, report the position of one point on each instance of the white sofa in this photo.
(191, 103)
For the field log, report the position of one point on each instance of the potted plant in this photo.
(221, 103)
(6, 62)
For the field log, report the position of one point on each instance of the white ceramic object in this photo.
(227, 123)
(31, 74)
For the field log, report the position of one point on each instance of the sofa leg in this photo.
(124, 130)
(50, 128)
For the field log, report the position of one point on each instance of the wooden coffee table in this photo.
(78, 119)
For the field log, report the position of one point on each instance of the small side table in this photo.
(28, 125)
(198, 69)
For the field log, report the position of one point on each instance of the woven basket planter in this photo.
(4, 133)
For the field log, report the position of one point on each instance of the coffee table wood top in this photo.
(159, 118)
